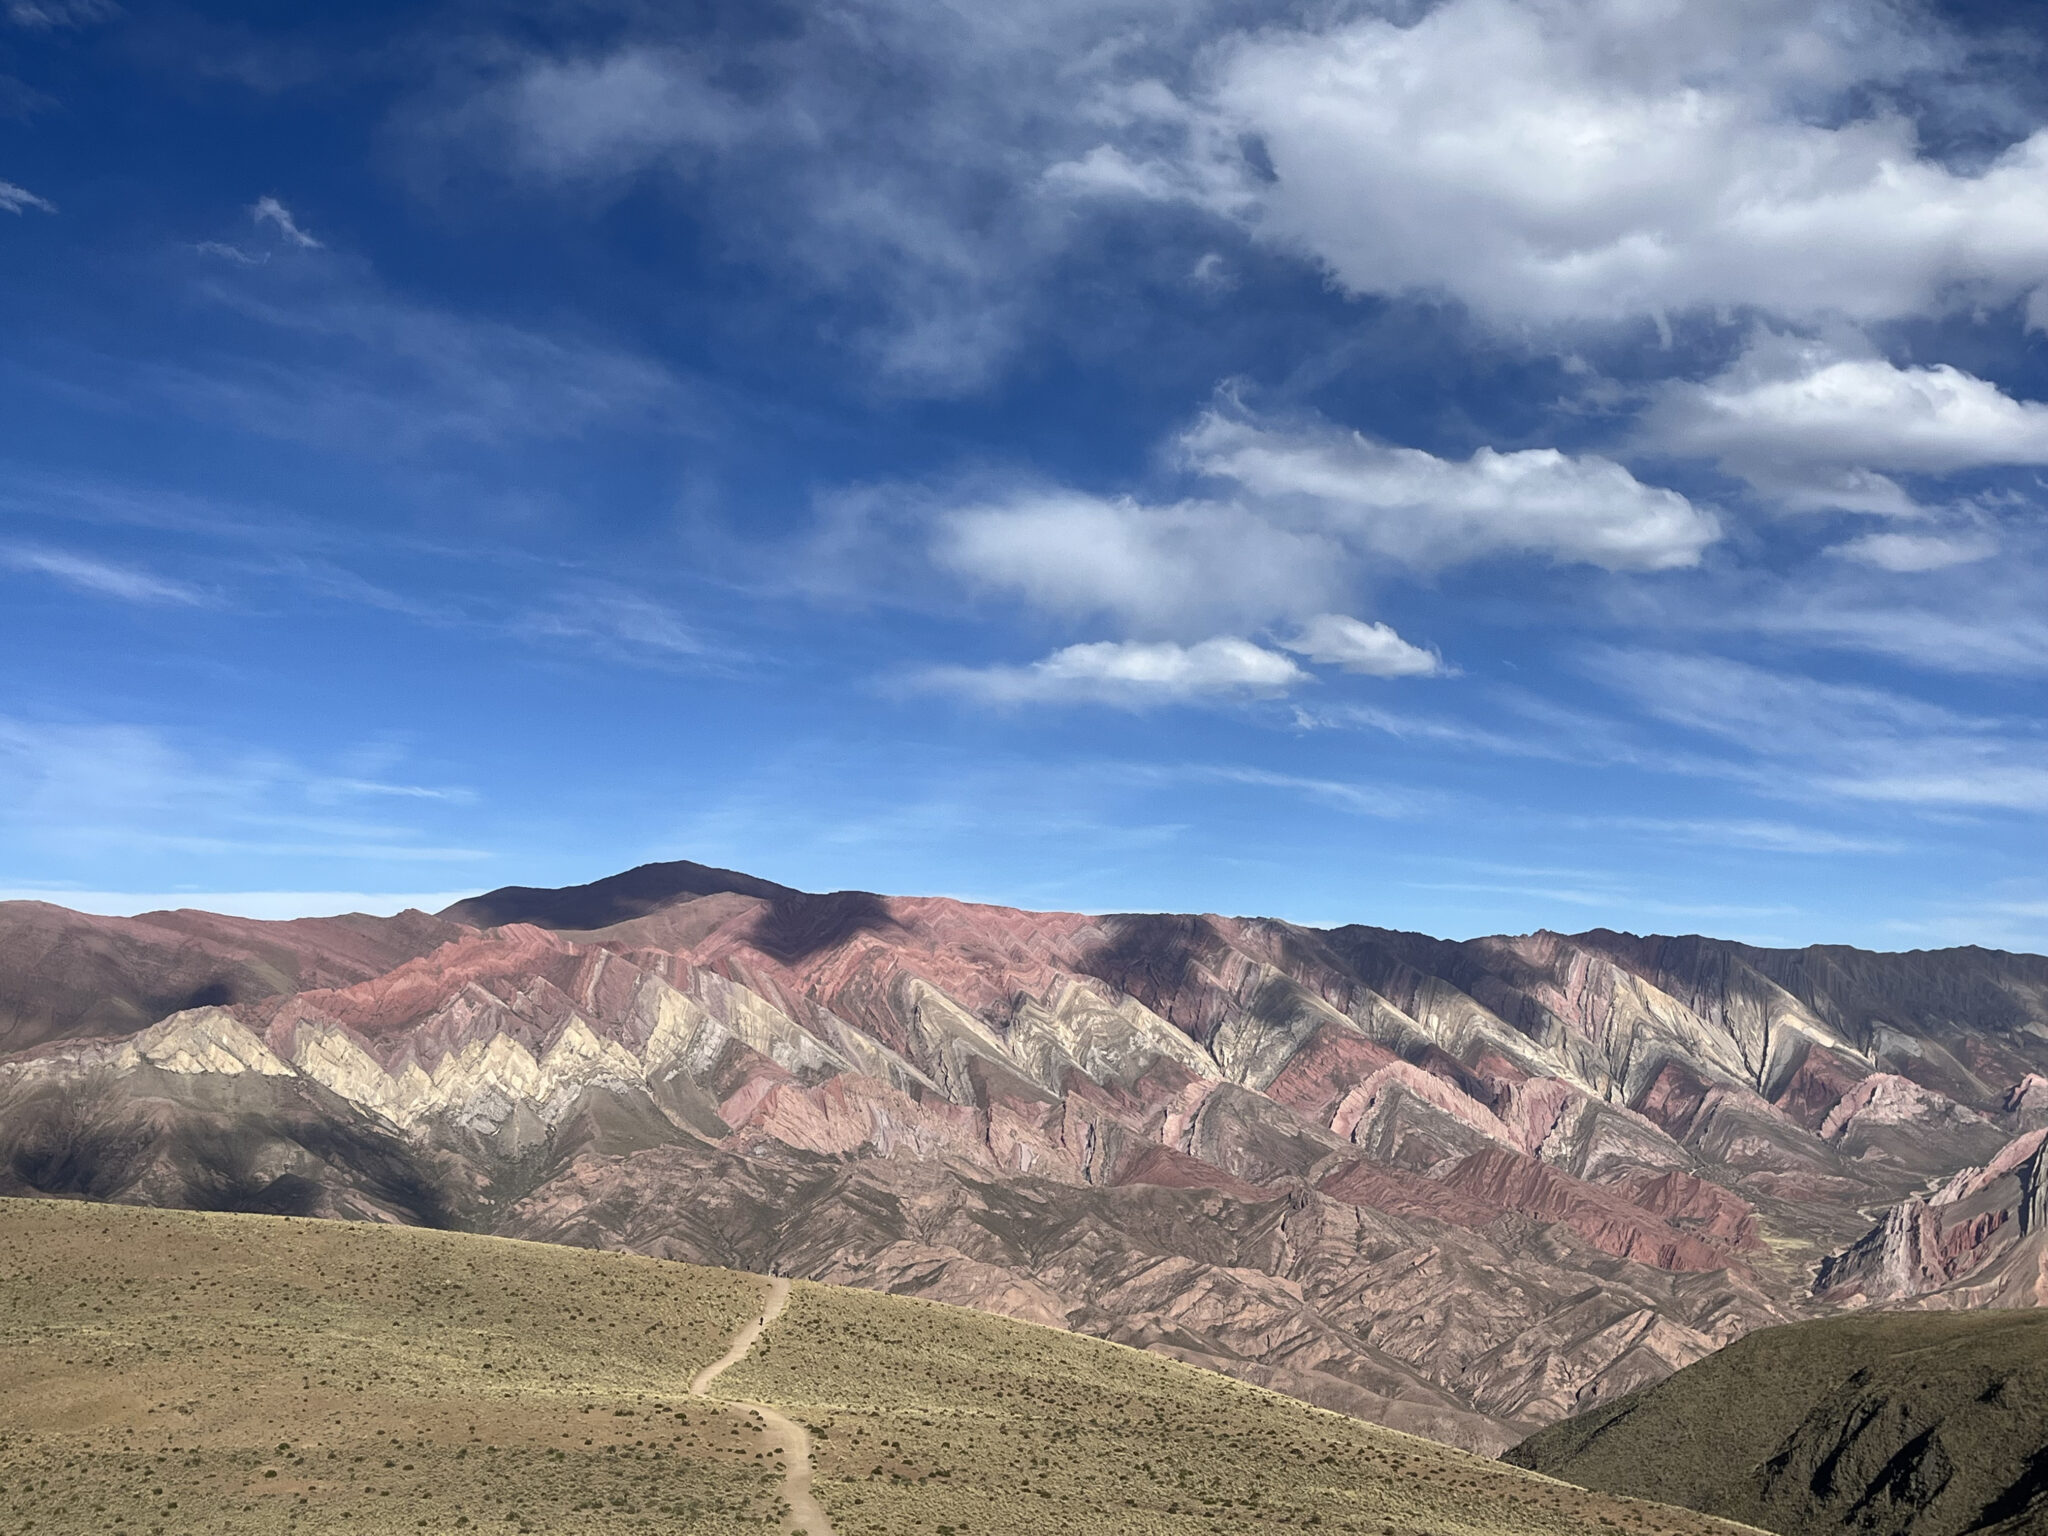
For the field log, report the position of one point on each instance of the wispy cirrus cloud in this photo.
(129, 796)
(102, 578)
(268, 210)
(620, 623)
(15, 199)
(324, 352)
(1751, 833)
(1803, 737)
(52, 15)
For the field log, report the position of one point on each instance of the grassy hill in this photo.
(169, 1372)
(1898, 1424)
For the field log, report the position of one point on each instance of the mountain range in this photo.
(1465, 1189)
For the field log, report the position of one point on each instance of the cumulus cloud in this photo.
(1427, 512)
(1539, 160)
(268, 210)
(1814, 427)
(1131, 674)
(1159, 567)
(1293, 519)
(14, 199)
(1303, 511)
(1356, 646)
(1602, 160)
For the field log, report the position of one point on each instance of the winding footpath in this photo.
(790, 1438)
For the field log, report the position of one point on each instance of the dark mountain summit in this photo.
(644, 889)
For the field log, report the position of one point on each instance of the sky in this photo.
(1470, 466)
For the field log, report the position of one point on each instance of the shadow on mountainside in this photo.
(797, 926)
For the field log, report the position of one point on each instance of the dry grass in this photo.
(170, 1373)
(937, 1421)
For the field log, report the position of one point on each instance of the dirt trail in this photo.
(785, 1435)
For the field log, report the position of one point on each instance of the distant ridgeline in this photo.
(1463, 1189)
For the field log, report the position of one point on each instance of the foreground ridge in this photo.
(1901, 1424)
(238, 1374)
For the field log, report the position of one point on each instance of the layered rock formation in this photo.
(1465, 1189)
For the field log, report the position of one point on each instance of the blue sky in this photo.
(1467, 466)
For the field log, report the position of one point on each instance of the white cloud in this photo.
(1132, 674)
(14, 199)
(268, 210)
(98, 576)
(1154, 566)
(1357, 646)
(1301, 516)
(1541, 160)
(1602, 160)
(1308, 512)
(1814, 427)
(1913, 552)
(1425, 512)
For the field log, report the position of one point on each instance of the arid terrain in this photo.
(176, 1372)
(1464, 1189)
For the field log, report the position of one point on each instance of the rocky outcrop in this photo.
(1981, 1240)
(1462, 1188)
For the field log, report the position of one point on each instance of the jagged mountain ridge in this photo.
(1464, 1188)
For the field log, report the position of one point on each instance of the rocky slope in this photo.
(1889, 1424)
(1461, 1188)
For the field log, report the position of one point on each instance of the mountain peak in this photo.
(614, 899)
